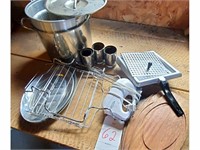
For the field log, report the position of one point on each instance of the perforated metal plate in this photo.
(145, 68)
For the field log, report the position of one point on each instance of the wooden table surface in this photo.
(28, 56)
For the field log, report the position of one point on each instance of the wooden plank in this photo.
(126, 38)
(165, 13)
(22, 70)
(176, 53)
(28, 44)
(138, 29)
(154, 117)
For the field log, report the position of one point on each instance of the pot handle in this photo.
(170, 98)
(25, 26)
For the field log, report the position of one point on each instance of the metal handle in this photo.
(170, 98)
(75, 3)
(26, 27)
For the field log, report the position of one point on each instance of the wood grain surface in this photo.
(163, 13)
(155, 126)
(28, 57)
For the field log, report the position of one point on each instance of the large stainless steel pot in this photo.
(48, 22)
(62, 37)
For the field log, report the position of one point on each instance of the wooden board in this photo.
(56, 131)
(172, 46)
(29, 56)
(164, 13)
(23, 69)
(154, 125)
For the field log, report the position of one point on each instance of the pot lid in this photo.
(74, 7)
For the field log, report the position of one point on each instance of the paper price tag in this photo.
(110, 135)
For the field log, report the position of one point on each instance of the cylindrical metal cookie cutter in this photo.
(87, 57)
(110, 55)
(98, 48)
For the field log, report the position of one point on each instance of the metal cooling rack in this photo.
(66, 93)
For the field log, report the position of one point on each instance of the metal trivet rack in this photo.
(67, 93)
